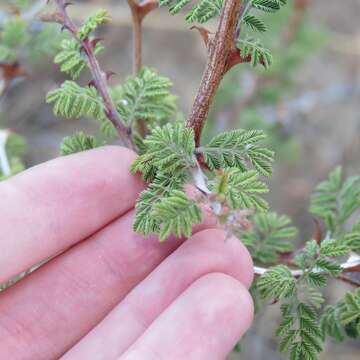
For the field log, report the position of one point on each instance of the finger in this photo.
(52, 309)
(204, 323)
(206, 252)
(52, 206)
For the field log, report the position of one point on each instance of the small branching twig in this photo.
(139, 9)
(99, 76)
(351, 265)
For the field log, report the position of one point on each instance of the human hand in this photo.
(109, 293)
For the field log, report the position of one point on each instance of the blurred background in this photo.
(308, 102)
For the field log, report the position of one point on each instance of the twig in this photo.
(99, 76)
(4, 161)
(219, 47)
(139, 9)
(352, 263)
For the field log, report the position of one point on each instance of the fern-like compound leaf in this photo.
(238, 148)
(342, 320)
(335, 200)
(204, 11)
(268, 5)
(277, 283)
(271, 235)
(253, 48)
(254, 23)
(77, 143)
(145, 96)
(161, 188)
(176, 215)
(74, 101)
(70, 58)
(241, 189)
(201, 12)
(169, 148)
(99, 18)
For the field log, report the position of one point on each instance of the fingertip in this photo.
(238, 257)
(229, 301)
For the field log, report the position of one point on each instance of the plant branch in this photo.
(99, 76)
(351, 265)
(219, 48)
(139, 9)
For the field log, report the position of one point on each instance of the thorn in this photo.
(109, 74)
(205, 34)
(235, 58)
(95, 41)
(92, 84)
(143, 8)
(146, 7)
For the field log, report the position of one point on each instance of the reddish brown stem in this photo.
(137, 36)
(99, 76)
(220, 46)
(139, 9)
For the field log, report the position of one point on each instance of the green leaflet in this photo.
(169, 148)
(335, 200)
(77, 143)
(238, 148)
(254, 48)
(242, 189)
(342, 320)
(277, 283)
(176, 214)
(269, 237)
(70, 58)
(99, 18)
(145, 96)
(254, 23)
(161, 188)
(74, 101)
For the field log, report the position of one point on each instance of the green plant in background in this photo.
(12, 150)
(22, 36)
(228, 170)
(24, 40)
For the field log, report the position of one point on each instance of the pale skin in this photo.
(109, 293)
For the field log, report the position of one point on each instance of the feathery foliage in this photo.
(269, 237)
(160, 188)
(91, 24)
(343, 319)
(74, 101)
(277, 283)
(237, 148)
(170, 149)
(177, 214)
(335, 200)
(241, 189)
(145, 96)
(300, 333)
(22, 38)
(77, 143)
(254, 48)
(71, 59)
